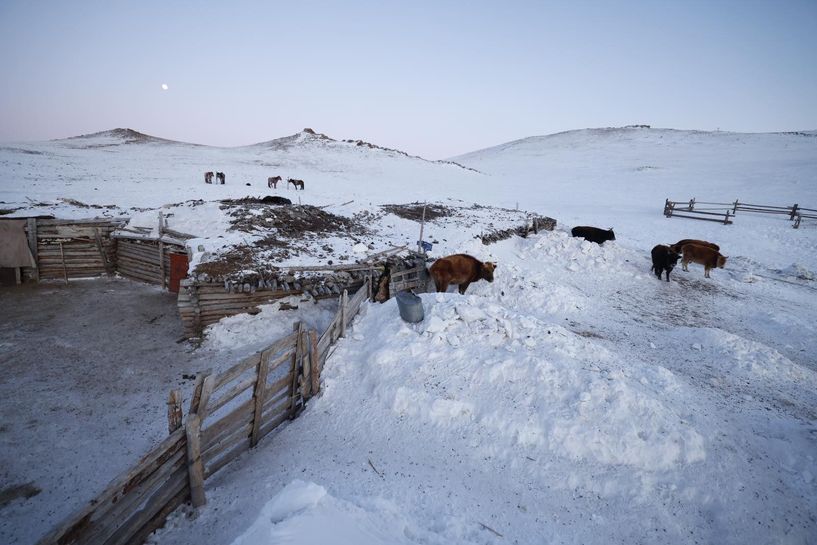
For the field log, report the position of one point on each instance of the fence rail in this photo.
(229, 413)
(692, 209)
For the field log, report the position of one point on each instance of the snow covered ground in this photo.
(577, 399)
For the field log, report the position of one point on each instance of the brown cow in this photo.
(272, 181)
(460, 269)
(680, 244)
(702, 255)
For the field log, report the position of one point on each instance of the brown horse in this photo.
(272, 181)
(461, 269)
(208, 177)
(296, 183)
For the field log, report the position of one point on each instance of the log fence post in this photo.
(258, 397)
(31, 227)
(195, 467)
(344, 311)
(174, 411)
(315, 375)
(793, 211)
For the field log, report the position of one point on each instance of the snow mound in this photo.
(305, 513)
(510, 382)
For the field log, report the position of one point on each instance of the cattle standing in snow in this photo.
(593, 234)
(460, 269)
(220, 178)
(702, 255)
(208, 177)
(295, 183)
(681, 243)
(272, 181)
(663, 259)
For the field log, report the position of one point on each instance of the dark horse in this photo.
(296, 183)
(220, 178)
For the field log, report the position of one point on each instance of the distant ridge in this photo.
(121, 136)
(309, 135)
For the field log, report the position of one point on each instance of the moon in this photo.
(164, 87)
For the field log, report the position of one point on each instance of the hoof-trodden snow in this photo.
(572, 400)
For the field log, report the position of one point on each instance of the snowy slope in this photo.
(576, 399)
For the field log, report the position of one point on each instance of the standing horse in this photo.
(220, 178)
(296, 183)
(208, 177)
(272, 181)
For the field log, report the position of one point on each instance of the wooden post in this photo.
(793, 212)
(315, 362)
(206, 389)
(174, 411)
(64, 269)
(195, 467)
(162, 263)
(344, 302)
(306, 364)
(735, 207)
(295, 371)
(691, 204)
(258, 396)
(105, 263)
(31, 227)
(422, 226)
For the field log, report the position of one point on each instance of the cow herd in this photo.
(462, 269)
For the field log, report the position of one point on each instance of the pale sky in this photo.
(435, 79)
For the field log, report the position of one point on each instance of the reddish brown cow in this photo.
(681, 243)
(460, 269)
(703, 255)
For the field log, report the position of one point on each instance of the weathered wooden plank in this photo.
(195, 467)
(153, 505)
(237, 370)
(230, 394)
(206, 392)
(271, 425)
(174, 410)
(315, 375)
(258, 395)
(119, 512)
(77, 523)
(215, 431)
(227, 440)
(228, 457)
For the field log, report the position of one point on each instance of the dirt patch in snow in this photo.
(414, 211)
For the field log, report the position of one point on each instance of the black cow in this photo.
(663, 259)
(593, 234)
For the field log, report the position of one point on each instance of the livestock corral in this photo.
(136, 503)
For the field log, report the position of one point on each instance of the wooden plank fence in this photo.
(67, 249)
(229, 413)
(722, 212)
(146, 260)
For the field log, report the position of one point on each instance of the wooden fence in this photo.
(147, 260)
(229, 413)
(65, 249)
(722, 212)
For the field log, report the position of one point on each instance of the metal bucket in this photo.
(411, 307)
